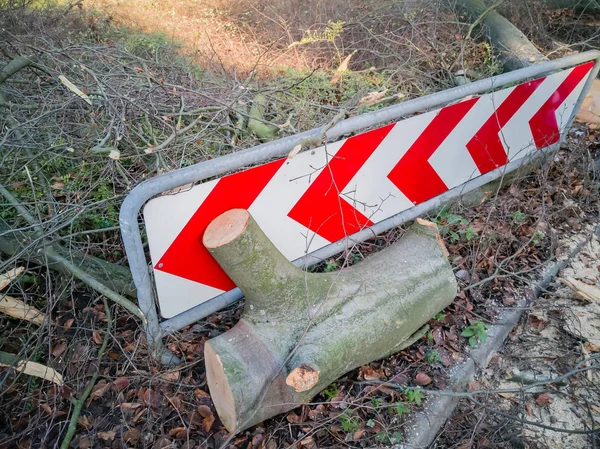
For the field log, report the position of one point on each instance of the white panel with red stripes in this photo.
(323, 195)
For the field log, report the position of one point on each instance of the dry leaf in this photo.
(292, 418)
(172, 376)
(543, 400)
(108, 435)
(294, 151)
(121, 383)
(529, 409)
(73, 88)
(422, 379)
(130, 405)
(358, 434)
(99, 389)
(59, 348)
(132, 436)
(18, 309)
(205, 411)
(341, 69)
(115, 155)
(163, 443)
(207, 423)
(84, 422)
(506, 395)
(308, 442)
(372, 98)
(97, 337)
(591, 347)
(173, 432)
(589, 113)
(9, 276)
(31, 368)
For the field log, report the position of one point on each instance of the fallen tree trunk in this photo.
(512, 47)
(301, 331)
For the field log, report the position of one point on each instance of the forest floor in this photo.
(164, 79)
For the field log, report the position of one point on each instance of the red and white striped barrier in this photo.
(326, 194)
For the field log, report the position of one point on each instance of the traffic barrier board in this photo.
(325, 194)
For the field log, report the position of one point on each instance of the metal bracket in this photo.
(130, 210)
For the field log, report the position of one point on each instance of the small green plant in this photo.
(349, 423)
(453, 226)
(537, 238)
(354, 258)
(518, 216)
(389, 439)
(331, 265)
(370, 423)
(413, 395)
(376, 402)
(470, 233)
(440, 316)
(475, 332)
(330, 392)
(400, 408)
(433, 356)
(331, 32)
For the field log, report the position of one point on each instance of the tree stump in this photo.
(301, 331)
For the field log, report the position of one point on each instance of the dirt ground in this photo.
(543, 384)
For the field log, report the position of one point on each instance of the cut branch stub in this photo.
(301, 331)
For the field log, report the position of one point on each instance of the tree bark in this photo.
(513, 48)
(301, 331)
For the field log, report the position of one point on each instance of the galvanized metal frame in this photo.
(130, 210)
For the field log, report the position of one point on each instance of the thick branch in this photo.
(513, 48)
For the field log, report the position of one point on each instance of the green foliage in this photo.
(108, 215)
(304, 91)
(440, 316)
(145, 45)
(400, 408)
(433, 356)
(331, 265)
(331, 32)
(413, 395)
(538, 236)
(330, 392)
(475, 332)
(454, 226)
(518, 216)
(349, 423)
(376, 402)
(389, 439)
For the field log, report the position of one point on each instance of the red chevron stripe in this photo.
(413, 175)
(321, 209)
(486, 147)
(543, 124)
(187, 257)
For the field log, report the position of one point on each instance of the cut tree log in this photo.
(301, 331)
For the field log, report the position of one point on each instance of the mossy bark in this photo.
(300, 331)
